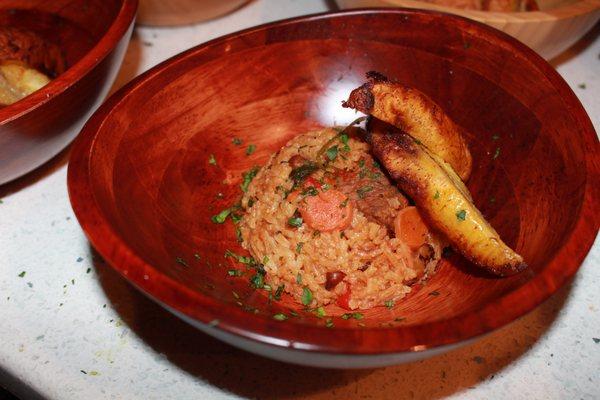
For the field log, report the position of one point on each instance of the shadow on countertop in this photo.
(253, 376)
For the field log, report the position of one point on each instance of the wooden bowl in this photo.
(183, 12)
(92, 36)
(143, 189)
(550, 31)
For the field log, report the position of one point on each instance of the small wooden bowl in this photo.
(143, 189)
(183, 12)
(92, 36)
(550, 31)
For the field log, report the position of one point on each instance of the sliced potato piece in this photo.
(18, 80)
(416, 114)
(442, 202)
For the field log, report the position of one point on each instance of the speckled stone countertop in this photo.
(73, 329)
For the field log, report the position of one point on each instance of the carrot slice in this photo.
(328, 211)
(410, 228)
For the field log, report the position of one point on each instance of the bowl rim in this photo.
(575, 9)
(106, 44)
(343, 340)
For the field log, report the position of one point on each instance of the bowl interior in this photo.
(151, 180)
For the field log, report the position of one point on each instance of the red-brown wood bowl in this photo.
(92, 36)
(143, 190)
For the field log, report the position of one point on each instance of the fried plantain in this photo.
(443, 200)
(416, 114)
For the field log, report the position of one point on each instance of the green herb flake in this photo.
(310, 191)
(294, 313)
(298, 175)
(496, 153)
(280, 317)
(237, 141)
(257, 281)
(495, 137)
(344, 203)
(221, 217)
(436, 195)
(238, 235)
(362, 191)
(94, 373)
(361, 163)
(279, 292)
(181, 261)
(461, 215)
(582, 86)
(355, 315)
(332, 153)
(248, 176)
(329, 323)
(434, 293)
(307, 296)
(299, 247)
(389, 304)
(295, 222)
(320, 312)
(22, 274)
(299, 279)
(250, 149)
(234, 272)
(344, 139)
(316, 234)
(241, 259)
(212, 160)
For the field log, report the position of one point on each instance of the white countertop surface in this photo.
(73, 329)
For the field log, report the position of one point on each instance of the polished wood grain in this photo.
(551, 30)
(182, 12)
(92, 36)
(143, 190)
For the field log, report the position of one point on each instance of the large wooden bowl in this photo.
(143, 189)
(92, 36)
(551, 30)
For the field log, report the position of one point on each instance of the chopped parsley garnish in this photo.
(257, 281)
(278, 292)
(361, 162)
(238, 235)
(22, 274)
(434, 293)
(299, 247)
(298, 175)
(355, 315)
(316, 234)
(461, 215)
(235, 272)
(241, 259)
(320, 312)
(250, 202)
(307, 296)
(295, 222)
(329, 323)
(237, 141)
(344, 203)
(181, 261)
(332, 153)
(250, 149)
(248, 176)
(362, 191)
(344, 140)
(280, 317)
(310, 191)
(436, 195)
(299, 279)
(212, 160)
(222, 216)
(582, 86)
(389, 304)
(496, 153)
